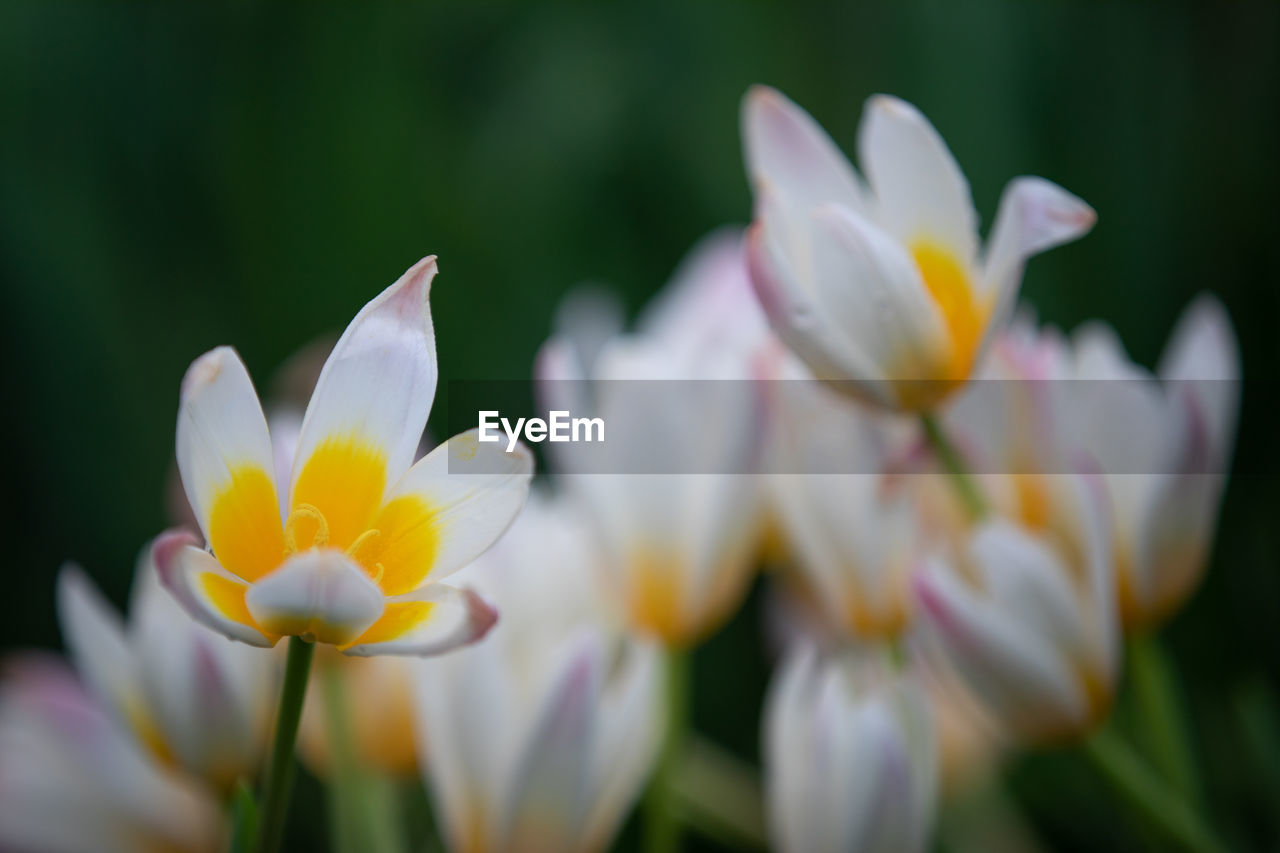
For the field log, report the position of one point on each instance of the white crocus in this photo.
(849, 528)
(1027, 617)
(72, 779)
(188, 694)
(1164, 444)
(678, 524)
(851, 755)
(355, 555)
(883, 285)
(541, 737)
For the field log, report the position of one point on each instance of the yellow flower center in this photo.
(932, 375)
(337, 502)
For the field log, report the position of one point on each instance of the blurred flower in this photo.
(540, 738)
(680, 542)
(72, 780)
(1162, 442)
(357, 558)
(884, 285)
(1027, 618)
(850, 529)
(381, 732)
(189, 695)
(1164, 448)
(850, 753)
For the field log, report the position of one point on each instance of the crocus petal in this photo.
(1034, 215)
(447, 510)
(794, 315)
(368, 411)
(209, 593)
(788, 151)
(1203, 355)
(1019, 676)
(874, 293)
(320, 595)
(73, 779)
(225, 457)
(630, 728)
(921, 193)
(428, 621)
(96, 641)
(549, 793)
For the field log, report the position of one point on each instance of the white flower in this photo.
(1027, 617)
(851, 756)
(1161, 441)
(356, 556)
(189, 694)
(71, 779)
(883, 285)
(851, 531)
(1164, 447)
(678, 524)
(540, 737)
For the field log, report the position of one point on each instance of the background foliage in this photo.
(175, 176)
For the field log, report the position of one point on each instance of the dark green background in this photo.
(173, 177)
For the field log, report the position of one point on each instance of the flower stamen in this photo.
(301, 511)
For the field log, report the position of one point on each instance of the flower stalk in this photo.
(279, 779)
(1160, 806)
(662, 825)
(1165, 732)
(965, 485)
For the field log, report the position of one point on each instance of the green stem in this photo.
(966, 487)
(279, 781)
(1162, 715)
(363, 804)
(1160, 806)
(662, 828)
(720, 795)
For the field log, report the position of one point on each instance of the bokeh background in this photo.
(178, 176)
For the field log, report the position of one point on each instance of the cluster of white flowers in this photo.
(965, 514)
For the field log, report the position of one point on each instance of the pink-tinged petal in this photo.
(1022, 679)
(377, 386)
(630, 728)
(1034, 215)
(225, 458)
(922, 195)
(95, 639)
(209, 593)
(797, 319)
(319, 595)
(1202, 359)
(787, 151)
(428, 621)
(72, 779)
(550, 779)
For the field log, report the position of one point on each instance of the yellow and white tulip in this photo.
(72, 779)
(541, 737)
(680, 542)
(1027, 617)
(355, 555)
(189, 695)
(883, 285)
(850, 754)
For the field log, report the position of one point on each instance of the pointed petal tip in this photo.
(204, 371)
